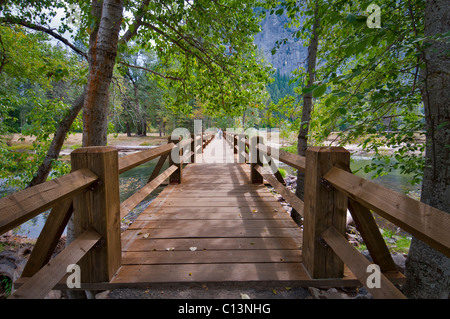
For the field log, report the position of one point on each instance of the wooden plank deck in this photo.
(215, 227)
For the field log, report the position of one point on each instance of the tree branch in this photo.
(36, 27)
(151, 71)
(136, 24)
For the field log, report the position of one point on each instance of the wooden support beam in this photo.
(358, 264)
(99, 208)
(38, 286)
(289, 196)
(157, 169)
(324, 207)
(425, 222)
(368, 228)
(275, 170)
(193, 148)
(178, 162)
(255, 160)
(49, 237)
(136, 198)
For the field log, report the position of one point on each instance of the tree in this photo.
(427, 270)
(385, 86)
(205, 48)
(302, 139)
(38, 83)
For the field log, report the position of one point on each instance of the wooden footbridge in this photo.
(215, 221)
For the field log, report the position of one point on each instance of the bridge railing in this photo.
(90, 196)
(331, 189)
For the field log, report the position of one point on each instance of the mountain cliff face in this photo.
(290, 55)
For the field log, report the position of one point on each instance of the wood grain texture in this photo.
(358, 264)
(17, 208)
(420, 220)
(46, 278)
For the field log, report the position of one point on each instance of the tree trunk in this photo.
(102, 55)
(58, 141)
(427, 270)
(302, 139)
(127, 127)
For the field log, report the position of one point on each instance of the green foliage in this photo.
(5, 286)
(282, 172)
(214, 62)
(36, 83)
(368, 80)
(291, 149)
(280, 87)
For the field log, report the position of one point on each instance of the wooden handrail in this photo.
(49, 237)
(293, 160)
(131, 161)
(425, 222)
(19, 207)
(131, 202)
(38, 286)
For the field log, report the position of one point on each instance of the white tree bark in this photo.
(102, 55)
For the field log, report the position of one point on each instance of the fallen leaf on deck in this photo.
(192, 248)
(146, 235)
(245, 296)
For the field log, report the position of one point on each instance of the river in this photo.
(136, 178)
(129, 182)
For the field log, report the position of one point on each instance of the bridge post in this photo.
(175, 178)
(324, 207)
(99, 208)
(255, 159)
(194, 151)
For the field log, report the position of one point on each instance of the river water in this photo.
(136, 178)
(129, 182)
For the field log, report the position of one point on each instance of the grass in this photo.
(401, 244)
(145, 144)
(291, 149)
(5, 286)
(395, 243)
(282, 172)
(20, 147)
(75, 146)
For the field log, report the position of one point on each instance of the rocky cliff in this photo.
(290, 55)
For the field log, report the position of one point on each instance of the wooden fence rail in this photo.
(20, 207)
(90, 193)
(331, 188)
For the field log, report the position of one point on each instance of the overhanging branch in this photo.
(36, 27)
(151, 71)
